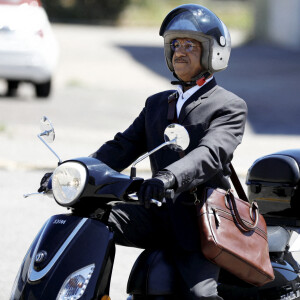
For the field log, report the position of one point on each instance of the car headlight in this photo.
(75, 285)
(68, 182)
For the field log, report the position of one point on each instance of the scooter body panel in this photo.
(66, 244)
(152, 274)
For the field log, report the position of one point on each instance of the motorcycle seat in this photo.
(278, 238)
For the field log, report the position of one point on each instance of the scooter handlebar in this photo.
(169, 194)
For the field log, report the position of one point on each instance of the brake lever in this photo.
(32, 194)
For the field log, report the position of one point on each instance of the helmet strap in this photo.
(199, 80)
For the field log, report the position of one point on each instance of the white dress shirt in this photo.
(183, 96)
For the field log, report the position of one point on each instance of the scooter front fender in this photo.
(66, 244)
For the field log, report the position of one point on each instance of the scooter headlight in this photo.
(68, 182)
(75, 285)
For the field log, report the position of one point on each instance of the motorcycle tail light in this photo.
(75, 285)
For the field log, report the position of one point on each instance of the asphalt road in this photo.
(102, 81)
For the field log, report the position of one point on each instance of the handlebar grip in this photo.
(157, 203)
(169, 194)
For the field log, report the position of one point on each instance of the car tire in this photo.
(42, 90)
(12, 87)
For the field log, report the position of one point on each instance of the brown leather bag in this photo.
(234, 236)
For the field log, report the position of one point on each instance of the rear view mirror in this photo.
(47, 130)
(179, 137)
(47, 134)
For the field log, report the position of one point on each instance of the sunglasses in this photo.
(188, 46)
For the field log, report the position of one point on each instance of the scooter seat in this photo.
(152, 274)
(278, 238)
(274, 168)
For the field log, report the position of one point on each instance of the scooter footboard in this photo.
(69, 255)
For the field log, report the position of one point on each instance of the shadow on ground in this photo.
(267, 77)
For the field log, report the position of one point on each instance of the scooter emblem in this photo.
(40, 256)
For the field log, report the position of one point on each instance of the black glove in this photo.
(155, 188)
(44, 183)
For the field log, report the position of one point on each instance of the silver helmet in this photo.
(198, 23)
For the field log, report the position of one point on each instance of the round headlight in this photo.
(68, 182)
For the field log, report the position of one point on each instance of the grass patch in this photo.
(73, 82)
(235, 14)
(2, 127)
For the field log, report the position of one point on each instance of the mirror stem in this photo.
(40, 137)
(133, 169)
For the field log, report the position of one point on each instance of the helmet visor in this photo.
(200, 20)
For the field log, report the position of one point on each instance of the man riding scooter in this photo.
(196, 45)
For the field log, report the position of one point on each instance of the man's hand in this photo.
(44, 183)
(155, 188)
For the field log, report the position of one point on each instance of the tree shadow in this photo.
(266, 77)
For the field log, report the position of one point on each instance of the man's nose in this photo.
(180, 51)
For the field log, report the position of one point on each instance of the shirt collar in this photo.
(191, 91)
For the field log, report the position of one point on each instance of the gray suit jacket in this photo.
(215, 119)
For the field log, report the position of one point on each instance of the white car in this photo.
(28, 48)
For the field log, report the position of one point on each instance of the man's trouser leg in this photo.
(136, 226)
(199, 276)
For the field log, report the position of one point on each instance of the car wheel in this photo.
(42, 90)
(12, 87)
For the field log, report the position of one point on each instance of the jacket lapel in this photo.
(196, 99)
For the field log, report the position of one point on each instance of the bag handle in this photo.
(253, 210)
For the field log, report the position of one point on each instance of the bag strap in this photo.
(172, 114)
(237, 184)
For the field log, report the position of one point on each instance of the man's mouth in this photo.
(180, 60)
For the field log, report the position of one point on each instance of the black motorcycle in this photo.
(73, 254)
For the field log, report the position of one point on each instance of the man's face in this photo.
(186, 58)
